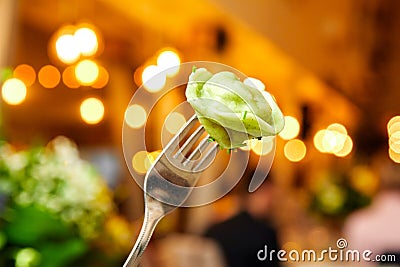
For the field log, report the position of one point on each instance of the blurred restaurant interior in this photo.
(68, 71)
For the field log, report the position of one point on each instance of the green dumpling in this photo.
(231, 111)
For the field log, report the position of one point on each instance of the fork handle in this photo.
(149, 223)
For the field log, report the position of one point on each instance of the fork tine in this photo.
(174, 142)
(201, 147)
(207, 157)
(189, 143)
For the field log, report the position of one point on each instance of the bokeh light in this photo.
(331, 198)
(295, 150)
(102, 79)
(337, 127)
(153, 78)
(25, 73)
(334, 140)
(318, 140)
(395, 157)
(393, 120)
(135, 116)
(255, 83)
(174, 122)
(151, 157)
(393, 128)
(291, 129)
(249, 144)
(67, 48)
(394, 144)
(170, 61)
(86, 40)
(364, 180)
(346, 149)
(27, 257)
(86, 72)
(264, 146)
(13, 91)
(49, 76)
(139, 162)
(92, 110)
(6, 73)
(69, 78)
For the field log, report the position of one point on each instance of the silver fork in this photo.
(170, 180)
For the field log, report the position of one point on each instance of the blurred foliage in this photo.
(55, 210)
(335, 194)
(5, 73)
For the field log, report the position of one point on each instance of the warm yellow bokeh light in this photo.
(87, 72)
(291, 129)
(295, 150)
(49, 76)
(169, 60)
(67, 48)
(153, 78)
(394, 128)
(69, 78)
(264, 146)
(86, 40)
(174, 122)
(337, 127)
(329, 142)
(255, 83)
(249, 144)
(364, 180)
(394, 156)
(334, 141)
(395, 135)
(151, 157)
(25, 73)
(346, 148)
(394, 144)
(392, 121)
(318, 140)
(139, 162)
(92, 110)
(13, 91)
(103, 78)
(135, 116)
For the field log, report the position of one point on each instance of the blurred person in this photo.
(242, 236)
(377, 227)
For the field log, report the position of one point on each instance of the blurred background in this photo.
(69, 68)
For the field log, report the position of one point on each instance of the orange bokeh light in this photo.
(25, 73)
(49, 76)
(69, 78)
(102, 79)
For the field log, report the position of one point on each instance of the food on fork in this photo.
(230, 110)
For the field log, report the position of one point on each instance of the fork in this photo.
(170, 180)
